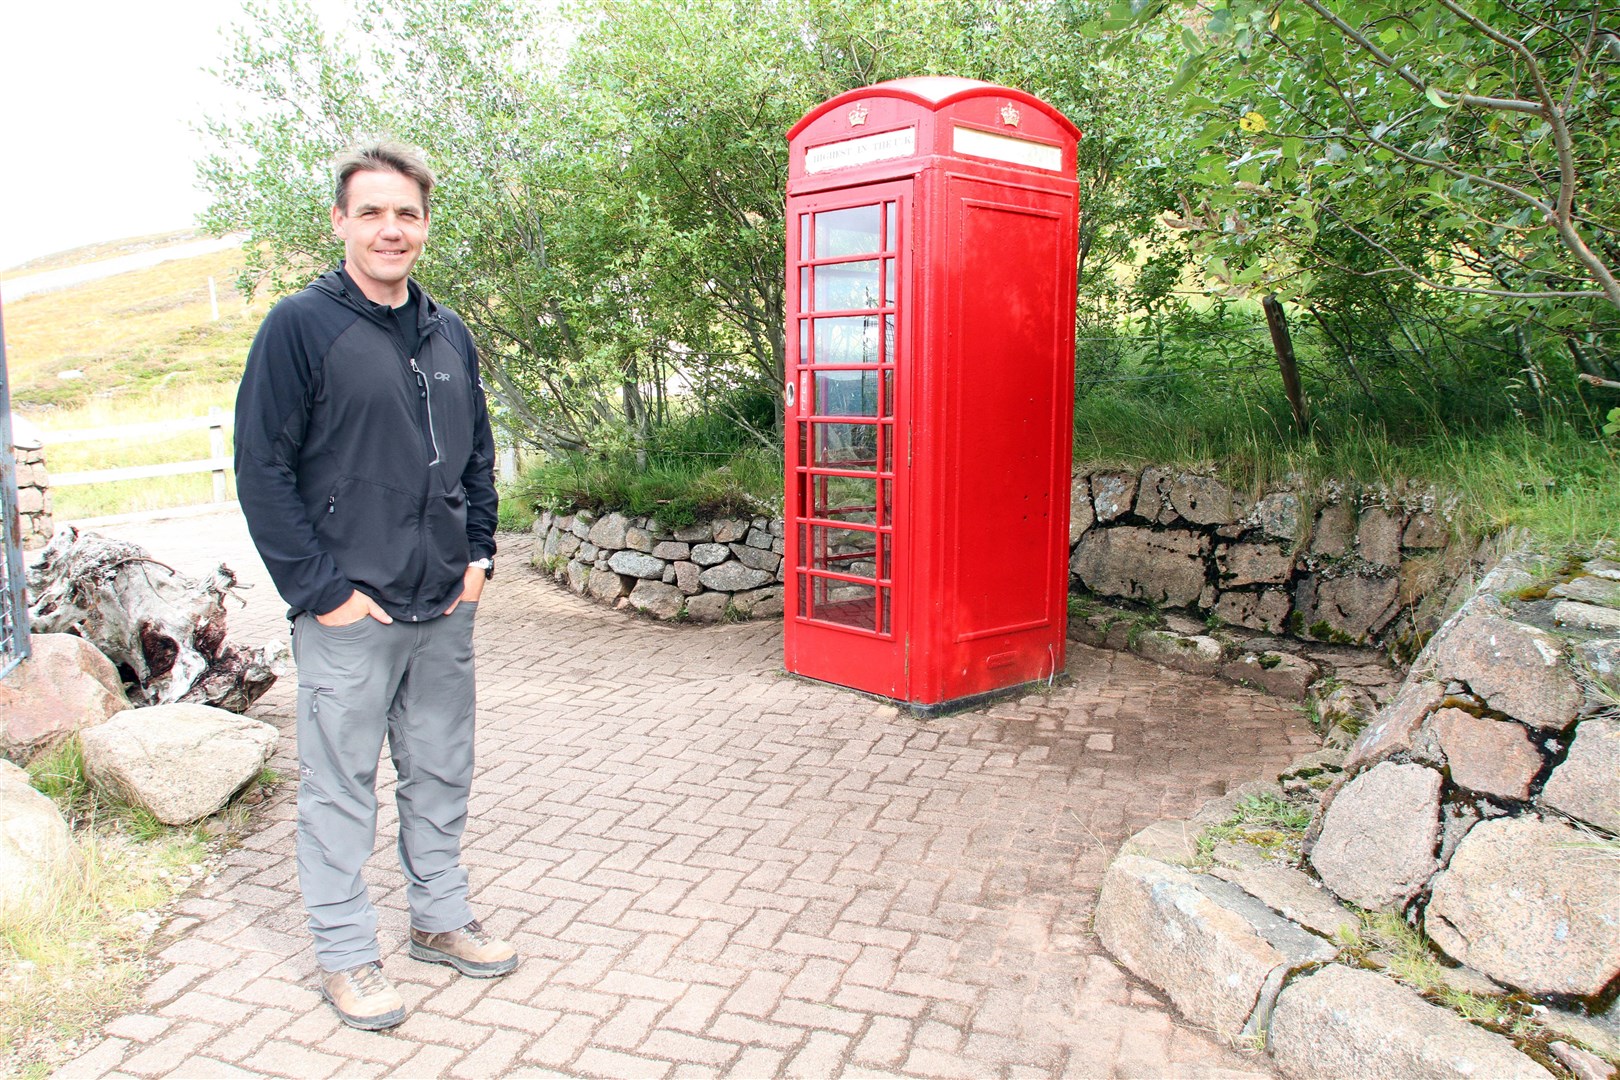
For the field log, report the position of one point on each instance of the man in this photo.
(364, 466)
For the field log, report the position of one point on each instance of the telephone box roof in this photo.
(933, 92)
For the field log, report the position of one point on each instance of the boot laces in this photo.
(475, 930)
(368, 980)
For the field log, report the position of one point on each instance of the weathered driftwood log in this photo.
(164, 630)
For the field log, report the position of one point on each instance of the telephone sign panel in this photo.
(929, 397)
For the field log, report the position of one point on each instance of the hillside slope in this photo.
(131, 348)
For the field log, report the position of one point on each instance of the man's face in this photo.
(382, 232)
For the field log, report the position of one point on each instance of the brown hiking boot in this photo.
(469, 950)
(363, 997)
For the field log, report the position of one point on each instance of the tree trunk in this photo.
(164, 631)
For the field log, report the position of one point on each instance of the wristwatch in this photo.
(486, 564)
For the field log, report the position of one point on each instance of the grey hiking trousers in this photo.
(413, 683)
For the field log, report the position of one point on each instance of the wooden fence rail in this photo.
(219, 463)
(217, 422)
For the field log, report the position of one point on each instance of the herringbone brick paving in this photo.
(714, 869)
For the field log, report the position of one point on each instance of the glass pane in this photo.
(885, 551)
(804, 237)
(846, 393)
(844, 551)
(845, 498)
(804, 444)
(804, 288)
(883, 611)
(847, 232)
(886, 438)
(845, 446)
(804, 597)
(845, 603)
(888, 286)
(804, 341)
(846, 286)
(849, 339)
(886, 491)
(888, 339)
(888, 392)
(892, 232)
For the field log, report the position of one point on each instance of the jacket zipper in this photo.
(427, 483)
(427, 477)
(427, 396)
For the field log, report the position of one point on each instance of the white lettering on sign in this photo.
(880, 146)
(1005, 148)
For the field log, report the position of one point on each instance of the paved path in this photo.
(50, 280)
(714, 869)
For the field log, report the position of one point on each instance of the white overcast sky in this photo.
(96, 99)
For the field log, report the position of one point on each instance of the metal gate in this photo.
(13, 605)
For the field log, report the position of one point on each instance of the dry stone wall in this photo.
(1335, 564)
(1479, 807)
(706, 571)
(33, 493)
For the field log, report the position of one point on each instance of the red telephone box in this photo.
(931, 234)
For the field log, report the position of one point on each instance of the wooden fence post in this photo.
(1283, 344)
(216, 448)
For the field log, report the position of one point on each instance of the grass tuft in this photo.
(59, 775)
(1265, 820)
(1547, 474)
(676, 492)
(80, 957)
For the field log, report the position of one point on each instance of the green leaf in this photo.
(1249, 275)
(1187, 72)
(1213, 132)
(1435, 99)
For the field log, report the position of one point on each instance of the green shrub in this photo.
(517, 509)
(676, 492)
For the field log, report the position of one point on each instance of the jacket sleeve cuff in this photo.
(332, 598)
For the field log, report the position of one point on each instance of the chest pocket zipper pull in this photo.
(331, 504)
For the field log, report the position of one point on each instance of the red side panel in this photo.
(1000, 452)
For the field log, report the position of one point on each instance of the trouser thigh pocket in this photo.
(345, 680)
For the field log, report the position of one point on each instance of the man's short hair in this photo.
(381, 157)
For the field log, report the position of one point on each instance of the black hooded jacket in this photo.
(359, 464)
